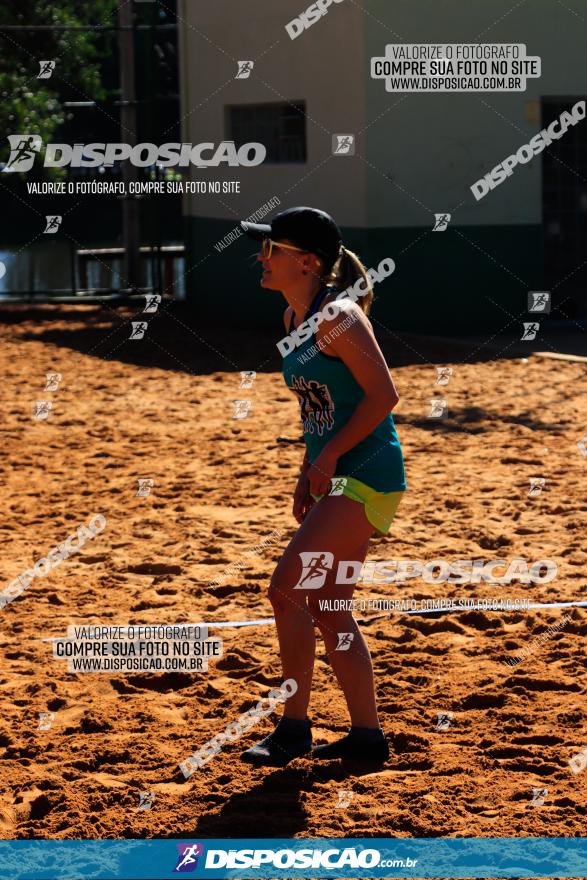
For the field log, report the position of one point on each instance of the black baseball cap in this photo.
(313, 230)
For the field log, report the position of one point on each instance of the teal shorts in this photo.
(380, 507)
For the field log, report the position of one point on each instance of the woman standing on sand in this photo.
(346, 395)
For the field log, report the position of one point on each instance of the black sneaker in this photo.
(291, 739)
(360, 744)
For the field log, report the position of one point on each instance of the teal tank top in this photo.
(328, 395)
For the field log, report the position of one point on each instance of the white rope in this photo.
(269, 620)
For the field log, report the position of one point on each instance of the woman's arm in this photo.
(302, 501)
(359, 350)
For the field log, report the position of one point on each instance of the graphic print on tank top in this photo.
(316, 404)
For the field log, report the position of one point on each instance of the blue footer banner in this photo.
(281, 857)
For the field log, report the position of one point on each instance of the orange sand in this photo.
(163, 410)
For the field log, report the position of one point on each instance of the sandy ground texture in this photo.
(162, 409)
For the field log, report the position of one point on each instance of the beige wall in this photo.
(423, 154)
(436, 146)
(322, 66)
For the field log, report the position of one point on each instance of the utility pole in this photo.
(128, 129)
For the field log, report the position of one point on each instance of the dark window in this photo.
(281, 128)
(564, 211)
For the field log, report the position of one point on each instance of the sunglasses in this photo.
(268, 245)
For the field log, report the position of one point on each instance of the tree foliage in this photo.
(32, 105)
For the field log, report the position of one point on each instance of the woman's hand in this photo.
(303, 501)
(321, 472)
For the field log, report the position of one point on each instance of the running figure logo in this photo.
(531, 328)
(46, 720)
(53, 380)
(536, 486)
(53, 222)
(188, 853)
(344, 798)
(316, 405)
(23, 149)
(146, 800)
(538, 797)
(337, 485)
(244, 69)
(539, 301)
(152, 301)
(441, 222)
(139, 328)
(42, 409)
(343, 145)
(438, 409)
(314, 570)
(46, 68)
(443, 720)
(443, 375)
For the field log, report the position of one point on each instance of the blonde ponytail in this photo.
(346, 271)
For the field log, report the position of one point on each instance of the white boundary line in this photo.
(268, 620)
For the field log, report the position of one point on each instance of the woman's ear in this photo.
(307, 261)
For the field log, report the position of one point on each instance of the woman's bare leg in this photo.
(335, 525)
